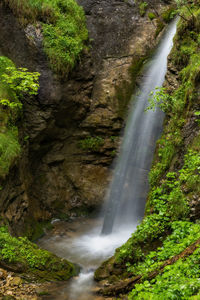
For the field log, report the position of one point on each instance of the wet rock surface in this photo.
(58, 173)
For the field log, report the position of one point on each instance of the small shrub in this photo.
(92, 143)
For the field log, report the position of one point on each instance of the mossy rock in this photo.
(168, 14)
(35, 263)
(62, 270)
(159, 26)
(125, 90)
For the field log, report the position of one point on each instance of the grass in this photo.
(64, 29)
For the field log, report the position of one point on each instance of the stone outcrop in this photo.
(69, 132)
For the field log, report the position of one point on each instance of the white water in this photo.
(87, 248)
(128, 189)
(93, 248)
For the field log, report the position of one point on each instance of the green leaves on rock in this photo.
(15, 84)
(39, 263)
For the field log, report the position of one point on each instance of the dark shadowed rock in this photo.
(55, 175)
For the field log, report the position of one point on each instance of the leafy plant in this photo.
(21, 81)
(178, 281)
(159, 98)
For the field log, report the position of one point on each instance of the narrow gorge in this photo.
(81, 108)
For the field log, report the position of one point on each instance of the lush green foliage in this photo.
(92, 143)
(21, 250)
(166, 230)
(167, 202)
(185, 55)
(20, 81)
(31, 258)
(64, 28)
(178, 281)
(14, 85)
(183, 234)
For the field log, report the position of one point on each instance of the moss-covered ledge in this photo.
(21, 256)
(58, 25)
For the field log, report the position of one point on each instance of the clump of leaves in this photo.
(183, 234)
(178, 281)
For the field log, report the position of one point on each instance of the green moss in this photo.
(168, 14)
(34, 229)
(64, 29)
(183, 235)
(143, 8)
(14, 85)
(9, 149)
(125, 90)
(93, 144)
(40, 263)
(151, 16)
(159, 26)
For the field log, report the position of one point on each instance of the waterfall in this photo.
(127, 193)
(129, 187)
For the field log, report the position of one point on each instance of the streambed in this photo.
(80, 242)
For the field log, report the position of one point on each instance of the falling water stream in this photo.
(127, 193)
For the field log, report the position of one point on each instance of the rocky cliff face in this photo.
(70, 131)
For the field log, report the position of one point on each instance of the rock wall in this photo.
(70, 132)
